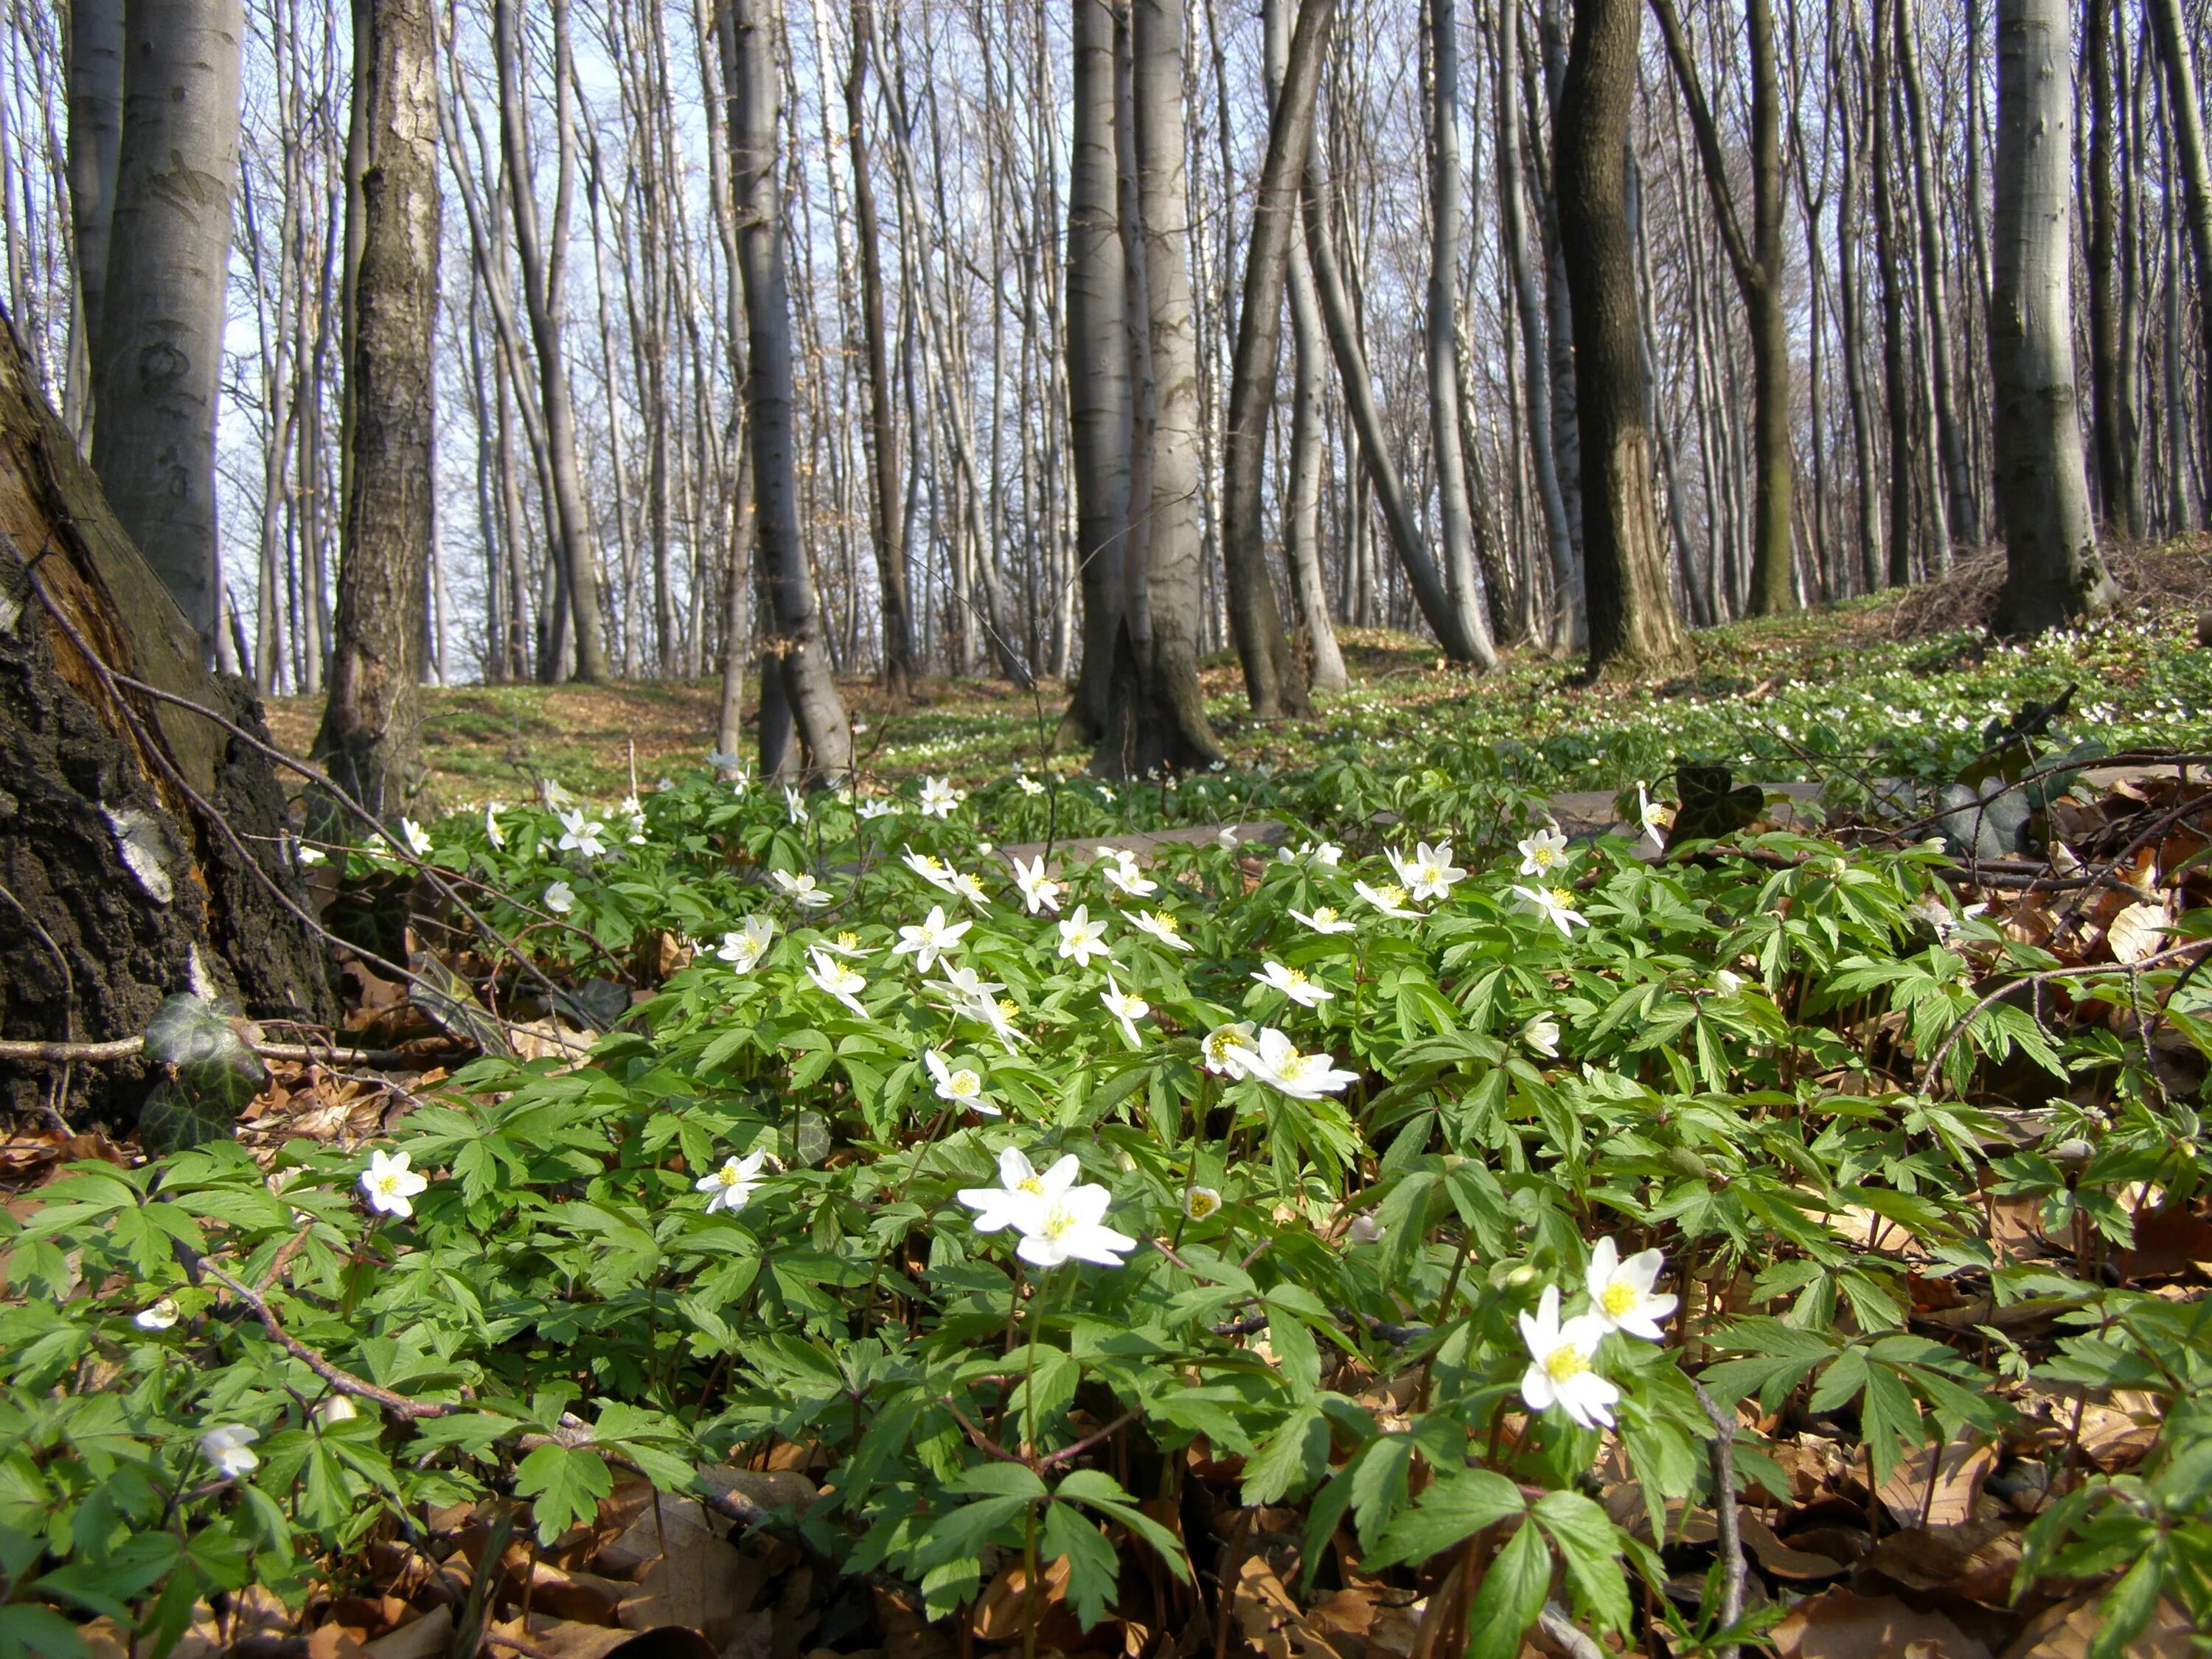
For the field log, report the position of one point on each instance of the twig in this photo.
(339, 1378)
(1935, 1072)
(1560, 1629)
(63, 1054)
(1725, 1512)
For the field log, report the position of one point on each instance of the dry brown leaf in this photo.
(1007, 1605)
(1271, 1622)
(2170, 1240)
(1975, 1561)
(675, 1520)
(702, 1583)
(561, 1638)
(2066, 1631)
(1838, 1625)
(1921, 1490)
(2138, 931)
(1784, 1560)
(907, 1634)
(420, 1638)
(772, 1487)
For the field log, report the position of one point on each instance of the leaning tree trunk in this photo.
(159, 347)
(1271, 679)
(142, 846)
(1632, 625)
(370, 725)
(756, 82)
(2053, 574)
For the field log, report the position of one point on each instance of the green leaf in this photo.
(1092, 1566)
(27, 1628)
(1512, 1596)
(1453, 1509)
(1589, 1544)
(1289, 1460)
(564, 1486)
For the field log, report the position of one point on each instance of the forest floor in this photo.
(1779, 696)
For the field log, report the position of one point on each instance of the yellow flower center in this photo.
(1294, 1066)
(847, 941)
(1618, 1299)
(1033, 1185)
(1395, 895)
(965, 1083)
(1563, 898)
(1203, 1205)
(1009, 1007)
(1542, 857)
(388, 1185)
(1324, 915)
(729, 1175)
(1296, 976)
(1166, 923)
(1565, 1362)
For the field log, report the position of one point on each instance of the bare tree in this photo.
(2188, 123)
(751, 50)
(2119, 501)
(1271, 680)
(158, 350)
(1632, 625)
(2053, 574)
(95, 133)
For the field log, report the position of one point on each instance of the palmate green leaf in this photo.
(28, 1630)
(1511, 1595)
(564, 1485)
(1590, 1544)
(1452, 1508)
(1290, 1459)
(1092, 1565)
(1101, 1491)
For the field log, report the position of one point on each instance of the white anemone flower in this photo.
(559, 898)
(1429, 873)
(1556, 905)
(724, 760)
(1069, 1227)
(740, 783)
(1029, 785)
(1162, 926)
(1326, 854)
(228, 1449)
(157, 1316)
(390, 1185)
(1651, 817)
(1019, 1200)
(970, 887)
(729, 1186)
(1543, 852)
(743, 949)
(1620, 1291)
(1293, 983)
(939, 798)
(312, 855)
(1127, 1007)
(1082, 938)
(1541, 1034)
(1200, 1202)
(1559, 1373)
(839, 980)
(496, 835)
(967, 985)
(1229, 1048)
(794, 804)
(1122, 872)
(930, 868)
(1039, 892)
(581, 835)
(961, 1085)
(1389, 899)
(334, 1410)
(1300, 1076)
(1105, 795)
(1727, 981)
(802, 890)
(416, 837)
(1325, 920)
(1226, 839)
(847, 944)
(930, 938)
(875, 807)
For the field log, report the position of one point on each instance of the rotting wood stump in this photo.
(144, 850)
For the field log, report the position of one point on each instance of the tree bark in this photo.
(159, 348)
(541, 297)
(1632, 626)
(2119, 501)
(1760, 270)
(118, 887)
(1962, 511)
(883, 446)
(1158, 717)
(1271, 680)
(1098, 364)
(95, 133)
(2053, 574)
(367, 740)
(1428, 591)
(1850, 309)
(800, 659)
(1454, 514)
(1889, 254)
(2188, 125)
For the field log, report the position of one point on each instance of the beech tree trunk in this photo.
(1271, 679)
(116, 887)
(799, 652)
(95, 136)
(2053, 575)
(1961, 509)
(158, 350)
(2119, 499)
(1632, 626)
(1098, 364)
(367, 741)
(2182, 101)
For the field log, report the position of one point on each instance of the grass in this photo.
(1790, 697)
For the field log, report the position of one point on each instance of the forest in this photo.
(1315, 828)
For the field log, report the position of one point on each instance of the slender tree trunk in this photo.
(2053, 575)
(1632, 625)
(367, 739)
(1758, 263)
(801, 661)
(1097, 365)
(1889, 253)
(1850, 309)
(1962, 507)
(1528, 307)
(1428, 591)
(1570, 620)
(95, 134)
(2118, 502)
(737, 596)
(1440, 341)
(541, 294)
(1271, 679)
(2188, 126)
(159, 347)
(882, 438)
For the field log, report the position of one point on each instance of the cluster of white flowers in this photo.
(1244, 1050)
(1058, 1220)
(1561, 1357)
